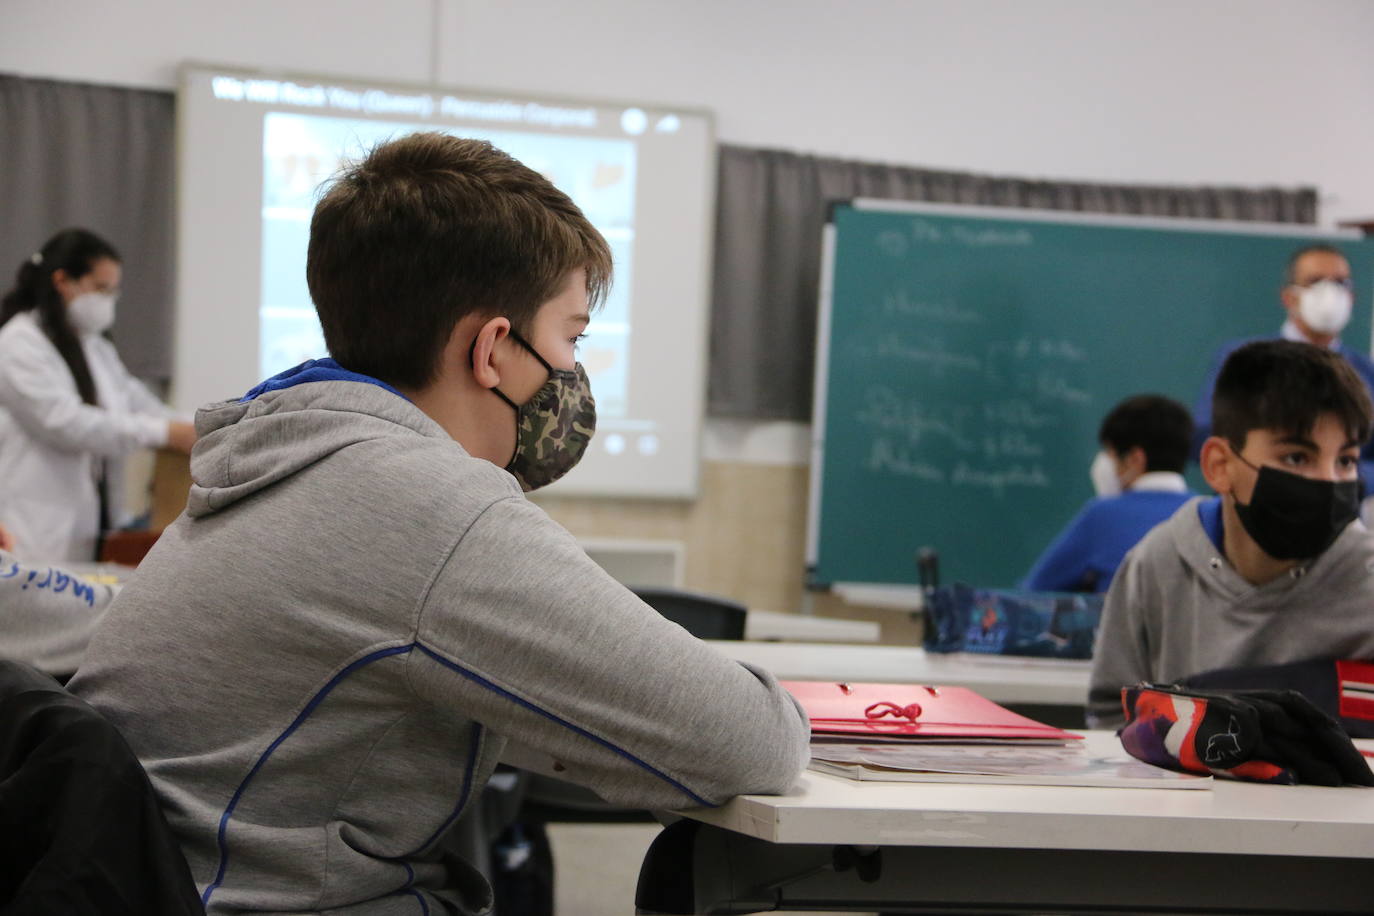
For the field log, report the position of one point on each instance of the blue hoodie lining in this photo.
(407, 889)
(474, 746)
(314, 370)
(1209, 514)
(424, 907)
(472, 756)
(295, 724)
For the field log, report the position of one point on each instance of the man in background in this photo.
(1318, 297)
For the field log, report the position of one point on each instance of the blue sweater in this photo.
(1086, 554)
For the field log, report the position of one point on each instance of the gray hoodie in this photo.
(1177, 608)
(321, 661)
(47, 614)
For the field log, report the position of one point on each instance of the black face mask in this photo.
(1292, 517)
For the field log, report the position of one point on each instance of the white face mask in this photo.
(1325, 307)
(1103, 474)
(91, 313)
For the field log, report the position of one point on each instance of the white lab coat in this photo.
(52, 444)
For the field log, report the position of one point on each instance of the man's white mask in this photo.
(1325, 307)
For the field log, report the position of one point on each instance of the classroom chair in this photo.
(703, 615)
(81, 830)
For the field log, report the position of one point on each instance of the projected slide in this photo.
(254, 150)
(300, 152)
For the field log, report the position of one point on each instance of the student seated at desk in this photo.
(1138, 476)
(1276, 568)
(322, 660)
(47, 614)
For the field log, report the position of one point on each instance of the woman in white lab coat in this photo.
(69, 410)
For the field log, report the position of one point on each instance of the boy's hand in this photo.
(6, 539)
(181, 436)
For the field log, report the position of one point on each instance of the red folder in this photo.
(912, 711)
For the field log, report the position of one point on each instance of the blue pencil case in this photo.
(960, 618)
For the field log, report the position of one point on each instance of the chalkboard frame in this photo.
(815, 534)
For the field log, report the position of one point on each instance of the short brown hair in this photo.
(1285, 385)
(428, 229)
(1290, 270)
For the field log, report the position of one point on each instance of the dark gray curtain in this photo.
(102, 158)
(771, 206)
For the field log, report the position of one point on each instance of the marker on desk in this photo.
(928, 569)
(928, 575)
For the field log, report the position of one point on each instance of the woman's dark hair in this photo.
(74, 251)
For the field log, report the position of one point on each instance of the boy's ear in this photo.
(1136, 461)
(1215, 462)
(485, 368)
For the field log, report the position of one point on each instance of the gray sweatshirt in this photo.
(47, 614)
(1177, 608)
(322, 660)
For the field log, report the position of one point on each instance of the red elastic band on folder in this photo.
(911, 712)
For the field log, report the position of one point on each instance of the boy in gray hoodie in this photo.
(320, 662)
(1276, 568)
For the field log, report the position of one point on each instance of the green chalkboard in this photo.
(966, 357)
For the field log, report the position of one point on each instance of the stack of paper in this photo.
(914, 733)
(990, 763)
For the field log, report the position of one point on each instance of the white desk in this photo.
(760, 625)
(834, 843)
(1001, 678)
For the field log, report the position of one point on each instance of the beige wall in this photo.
(745, 538)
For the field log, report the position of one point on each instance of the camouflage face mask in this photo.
(552, 428)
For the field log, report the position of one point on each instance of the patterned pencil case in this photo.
(1273, 736)
(959, 618)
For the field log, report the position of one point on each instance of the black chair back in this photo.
(81, 830)
(704, 616)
